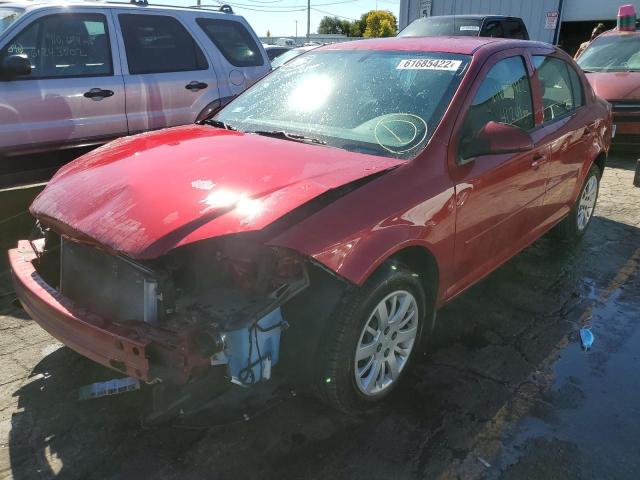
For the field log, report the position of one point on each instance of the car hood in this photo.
(146, 194)
(616, 85)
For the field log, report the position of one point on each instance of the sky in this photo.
(279, 16)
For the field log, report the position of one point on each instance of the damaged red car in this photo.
(316, 223)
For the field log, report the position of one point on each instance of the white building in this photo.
(564, 22)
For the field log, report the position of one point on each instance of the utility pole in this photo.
(308, 20)
(296, 30)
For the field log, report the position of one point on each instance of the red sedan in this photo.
(320, 219)
(612, 65)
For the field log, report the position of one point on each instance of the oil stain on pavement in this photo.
(504, 390)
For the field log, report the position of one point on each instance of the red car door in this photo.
(569, 127)
(499, 198)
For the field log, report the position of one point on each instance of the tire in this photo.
(573, 227)
(336, 382)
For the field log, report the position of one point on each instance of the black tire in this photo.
(335, 382)
(568, 230)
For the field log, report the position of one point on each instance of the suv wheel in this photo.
(572, 228)
(375, 336)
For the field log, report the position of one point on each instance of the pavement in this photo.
(503, 392)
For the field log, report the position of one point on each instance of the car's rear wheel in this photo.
(572, 228)
(376, 334)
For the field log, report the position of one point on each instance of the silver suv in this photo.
(82, 73)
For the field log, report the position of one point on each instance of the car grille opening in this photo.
(113, 287)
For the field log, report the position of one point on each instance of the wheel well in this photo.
(600, 161)
(422, 262)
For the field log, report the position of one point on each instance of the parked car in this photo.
(612, 64)
(83, 73)
(286, 42)
(467, 25)
(319, 220)
(291, 54)
(274, 51)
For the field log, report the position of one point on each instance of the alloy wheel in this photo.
(587, 202)
(386, 342)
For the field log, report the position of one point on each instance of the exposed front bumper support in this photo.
(139, 350)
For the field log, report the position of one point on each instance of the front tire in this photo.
(573, 228)
(377, 332)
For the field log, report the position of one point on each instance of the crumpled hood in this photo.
(146, 194)
(616, 85)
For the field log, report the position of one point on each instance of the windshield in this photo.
(437, 26)
(286, 56)
(612, 53)
(378, 102)
(8, 16)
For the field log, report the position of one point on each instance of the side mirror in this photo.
(494, 139)
(15, 66)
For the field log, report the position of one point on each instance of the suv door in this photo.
(74, 94)
(168, 80)
(568, 125)
(498, 197)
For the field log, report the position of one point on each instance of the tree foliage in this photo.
(375, 23)
(381, 23)
(333, 25)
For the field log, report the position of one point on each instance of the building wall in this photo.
(583, 10)
(533, 12)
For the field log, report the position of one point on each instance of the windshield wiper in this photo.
(289, 136)
(218, 124)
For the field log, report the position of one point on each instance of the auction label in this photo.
(428, 64)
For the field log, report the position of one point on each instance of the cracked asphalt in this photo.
(503, 392)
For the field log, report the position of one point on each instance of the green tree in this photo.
(381, 23)
(354, 30)
(331, 25)
(268, 34)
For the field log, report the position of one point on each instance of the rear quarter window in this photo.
(233, 40)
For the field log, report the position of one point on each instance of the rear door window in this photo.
(233, 40)
(558, 95)
(65, 45)
(159, 44)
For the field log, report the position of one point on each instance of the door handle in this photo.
(539, 160)
(98, 93)
(195, 86)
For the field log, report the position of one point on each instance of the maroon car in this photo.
(320, 219)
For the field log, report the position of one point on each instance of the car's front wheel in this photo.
(374, 338)
(572, 228)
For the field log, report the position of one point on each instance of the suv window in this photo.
(233, 40)
(159, 44)
(64, 45)
(514, 29)
(558, 96)
(504, 96)
(493, 29)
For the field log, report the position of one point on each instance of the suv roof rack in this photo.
(220, 7)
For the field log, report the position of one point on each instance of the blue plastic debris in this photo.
(586, 338)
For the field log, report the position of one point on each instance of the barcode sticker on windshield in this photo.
(428, 64)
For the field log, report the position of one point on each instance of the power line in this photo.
(233, 4)
(333, 14)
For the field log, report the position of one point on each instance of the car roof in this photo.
(462, 45)
(615, 32)
(37, 4)
(473, 16)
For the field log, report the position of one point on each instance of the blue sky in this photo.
(279, 16)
